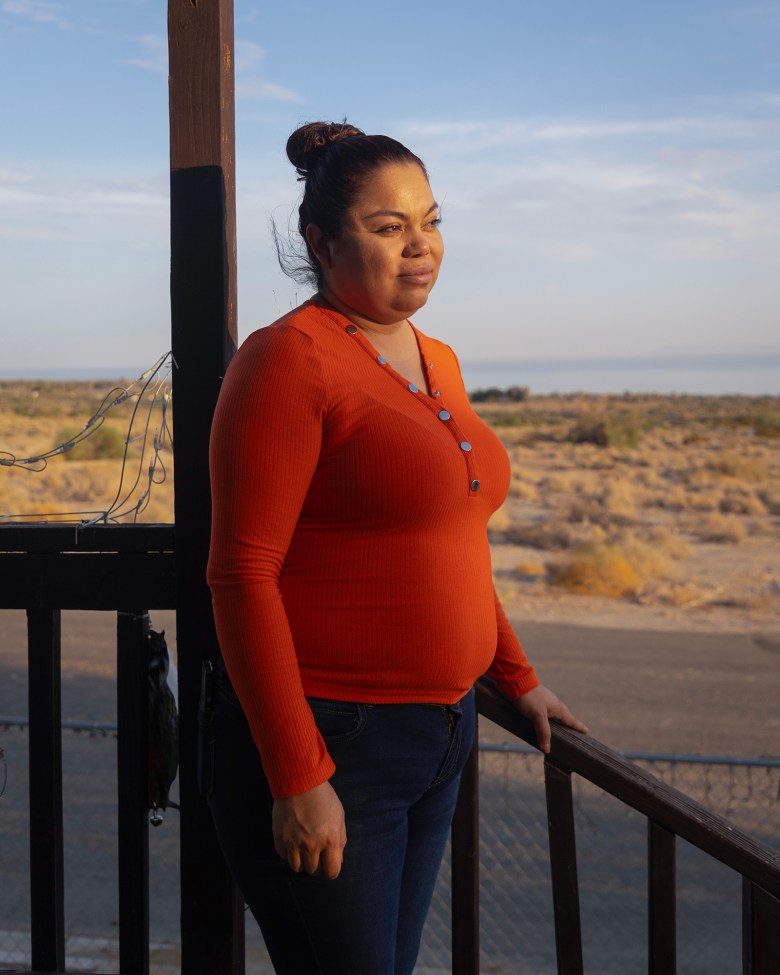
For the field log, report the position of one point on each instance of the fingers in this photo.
(309, 831)
(543, 733)
(539, 706)
(567, 718)
(312, 860)
(331, 860)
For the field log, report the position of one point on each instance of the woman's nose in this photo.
(417, 245)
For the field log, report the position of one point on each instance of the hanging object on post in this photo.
(163, 729)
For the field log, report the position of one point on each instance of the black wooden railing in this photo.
(129, 569)
(669, 814)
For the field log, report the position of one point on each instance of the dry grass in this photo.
(628, 520)
(598, 570)
(722, 529)
(701, 481)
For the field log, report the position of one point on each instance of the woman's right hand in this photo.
(309, 830)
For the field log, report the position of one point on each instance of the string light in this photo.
(151, 390)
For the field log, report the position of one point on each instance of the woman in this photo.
(350, 572)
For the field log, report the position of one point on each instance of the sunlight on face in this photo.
(385, 262)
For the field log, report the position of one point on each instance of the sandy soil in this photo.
(724, 576)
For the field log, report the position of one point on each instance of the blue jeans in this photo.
(398, 768)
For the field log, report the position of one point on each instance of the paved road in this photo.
(660, 691)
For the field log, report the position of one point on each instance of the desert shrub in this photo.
(513, 394)
(621, 429)
(544, 535)
(530, 569)
(503, 419)
(499, 522)
(599, 570)
(559, 482)
(648, 558)
(721, 529)
(104, 443)
(742, 503)
(520, 488)
(771, 499)
(766, 423)
(620, 565)
(673, 497)
(618, 498)
(670, 543)
(739, 467)
(703, 500)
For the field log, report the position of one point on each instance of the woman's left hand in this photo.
(539, 705)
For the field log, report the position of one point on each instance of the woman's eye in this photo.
(390, 228)
(435, 222)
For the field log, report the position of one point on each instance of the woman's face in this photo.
(384, 263)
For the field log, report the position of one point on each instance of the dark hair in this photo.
(334, 160)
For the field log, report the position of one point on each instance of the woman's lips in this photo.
(422, 274)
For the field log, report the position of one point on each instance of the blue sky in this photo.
(609, 171)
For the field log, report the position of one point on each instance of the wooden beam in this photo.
(203, 340)
(89, 581)
(33, 537)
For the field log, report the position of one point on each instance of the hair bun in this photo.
(315, 135)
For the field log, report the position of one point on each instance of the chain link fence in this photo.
(516, 904)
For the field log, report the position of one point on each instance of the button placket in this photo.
(429, 402)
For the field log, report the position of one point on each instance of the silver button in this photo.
(444, 415)
(352, 329)
(465, 445)
(436, 392)
(475, 485)
(413, 388)
(381, 360)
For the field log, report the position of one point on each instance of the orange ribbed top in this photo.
(349, 554)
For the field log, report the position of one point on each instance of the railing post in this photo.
(47, 887)
(760, 931)
(203, 339)
(662, 900)
(465, 870)
(133, 768)
(563, 868)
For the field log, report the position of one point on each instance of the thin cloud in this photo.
(155, 59)
(255, 89)
(36, 11)
(43, 206)
(247, 55)
(249, 86)
(479, 136)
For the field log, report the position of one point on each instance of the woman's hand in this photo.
(539, 705)
(309, 831)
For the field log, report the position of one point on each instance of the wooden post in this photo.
(47, 886)
(465, 870)
(203, 336)
(132, 684)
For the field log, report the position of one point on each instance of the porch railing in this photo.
(130, 569)
(669, 813)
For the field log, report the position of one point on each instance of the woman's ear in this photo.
(318, 242)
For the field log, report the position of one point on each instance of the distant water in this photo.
(714, 375)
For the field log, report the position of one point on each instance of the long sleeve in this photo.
(264, 449)
(511, 671)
